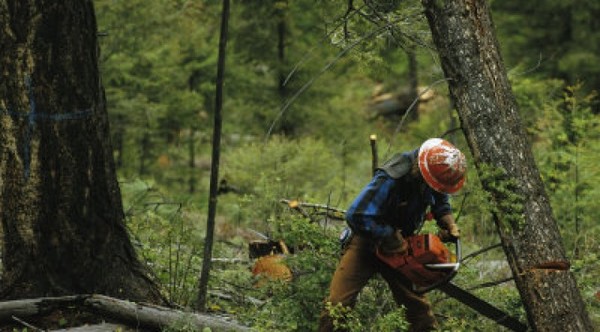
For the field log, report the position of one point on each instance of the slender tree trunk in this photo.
(60, 204)
(144, 151)
(287, 126)
(192, 151)
(214, 172)
(413, 79)
(464, 35)
(281, 33)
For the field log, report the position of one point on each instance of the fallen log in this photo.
(147, 316)
(102, 327)
(158, 317)
(34, 307)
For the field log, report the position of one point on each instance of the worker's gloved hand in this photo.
(449, 231)
(393, 245)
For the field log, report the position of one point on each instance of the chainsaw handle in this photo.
(442, 267)
(452, 267)
(449, 266)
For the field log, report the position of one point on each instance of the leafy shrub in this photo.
(265, 173)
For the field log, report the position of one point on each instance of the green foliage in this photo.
(536, 98)
(296, 305)
(156, 78)
(551, 38)
(587, 270)
(343, 318)
(165, 237)
(569, 142)
(393, 321)
(566, 147)
(506, 201)
(305, 169)
(158, 64)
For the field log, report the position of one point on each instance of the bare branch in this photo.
(325, 68)
(331, 212)
(491, 283)
(481, 251)
(24, 323)
(412, 105)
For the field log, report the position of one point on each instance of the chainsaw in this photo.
(429, 265)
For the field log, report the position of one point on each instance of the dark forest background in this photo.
(306, 84)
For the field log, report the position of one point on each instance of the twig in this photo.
(229, 260)
(491, 283)
(246, 299)
(409, 109)
(24, 323)
(480, 286)
(325, 68)
(348, 12)
(339, 212)
(481, 251)
(309, 54)
(534, 68)
(295, 205)
(462, 204)
(450, 131)
(317, 206)
(331, 215)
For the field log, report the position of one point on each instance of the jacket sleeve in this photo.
(366, 215)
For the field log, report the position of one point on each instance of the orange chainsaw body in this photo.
(422, 249)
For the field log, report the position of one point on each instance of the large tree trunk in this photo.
(60, 205)
(464, 35)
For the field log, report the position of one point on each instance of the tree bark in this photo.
(464, 35)
(60, 205)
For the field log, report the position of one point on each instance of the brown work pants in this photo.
(357, 265)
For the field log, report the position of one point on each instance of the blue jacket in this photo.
(395, 200)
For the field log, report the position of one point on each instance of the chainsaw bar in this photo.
(482, 307)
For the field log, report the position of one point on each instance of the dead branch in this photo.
(295, 205)
(479, 252)
(24, 323)
(374, 157)
(333, 213)
(491, 283)
(32, 307)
